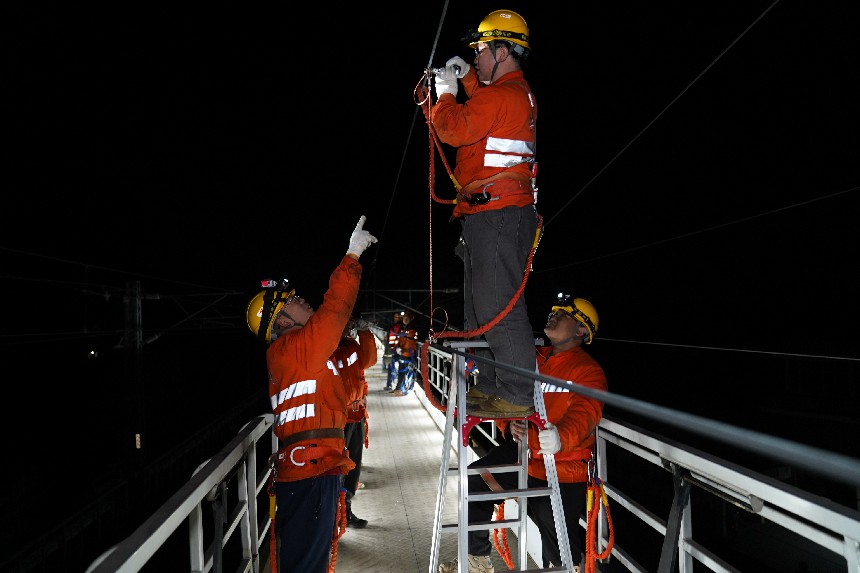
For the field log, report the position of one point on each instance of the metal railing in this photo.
(208, 491)
(830, 532)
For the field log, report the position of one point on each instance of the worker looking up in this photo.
(309, 399)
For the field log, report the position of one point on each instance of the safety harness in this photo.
(299, 456)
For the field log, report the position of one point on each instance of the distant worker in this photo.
(391, 344)
(396, 334)
(569, 436)
(355, 356)
(309, 399)
(407, 360)
(494, 133)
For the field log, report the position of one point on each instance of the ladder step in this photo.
(495, 469)
(488, 474)
(509, 493)
(483, 525)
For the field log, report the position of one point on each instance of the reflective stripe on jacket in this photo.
(306, 389)
(394, 334)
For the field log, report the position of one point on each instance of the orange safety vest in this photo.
(354, 357)
(494, 133)
(575, 415)
(308, 394)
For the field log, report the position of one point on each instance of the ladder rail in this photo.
(456, 391)
(555, 497)
(443, 470)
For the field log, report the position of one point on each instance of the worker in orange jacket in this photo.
(494, 133)
(568, 435)
(391, 344)
(407, 362)
(354, 357)
(309, 398)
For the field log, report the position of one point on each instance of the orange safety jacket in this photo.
(354, 357)
(494, 133)
(408, 345)
(575, 415)
(308, 394)
(394, 335)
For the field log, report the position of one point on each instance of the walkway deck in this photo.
(400, 471)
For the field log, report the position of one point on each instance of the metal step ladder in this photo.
(456, 391)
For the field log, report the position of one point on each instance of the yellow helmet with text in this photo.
(581, 310)
(266, 305)
(505, 25)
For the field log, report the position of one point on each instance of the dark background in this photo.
(698, 181)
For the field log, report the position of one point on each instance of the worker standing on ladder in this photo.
(569, 435)
(309, 399)
(494, 133)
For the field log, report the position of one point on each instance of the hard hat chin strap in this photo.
(266, 315)
(496, 62)
(565, 341)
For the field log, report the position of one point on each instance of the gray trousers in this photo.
(495, 247)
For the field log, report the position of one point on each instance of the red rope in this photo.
(502, 548)
(425, 369)
(595, 496)
(273, 539)
(339, 529)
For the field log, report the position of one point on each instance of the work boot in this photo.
(477, 564)
(495, 407)
(354, 521)
(474, 396)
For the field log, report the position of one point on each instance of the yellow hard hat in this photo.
(581, 310)
(266, 305)
(504, 25)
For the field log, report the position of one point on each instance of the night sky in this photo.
(698, 181)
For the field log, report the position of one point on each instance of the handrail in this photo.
(238, 458)
(831, 526)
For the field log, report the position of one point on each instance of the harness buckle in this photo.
(293, 451)
(483, 198)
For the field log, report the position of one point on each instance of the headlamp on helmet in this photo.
(503, 25)
(580, 310)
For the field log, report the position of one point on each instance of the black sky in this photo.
(698, 162)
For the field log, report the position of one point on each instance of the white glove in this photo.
(360, 239)
(446, 86)
(455, 63)
(362, 324)
(550, 441)
(519, 429)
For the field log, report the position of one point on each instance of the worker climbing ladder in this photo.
(456, 392)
